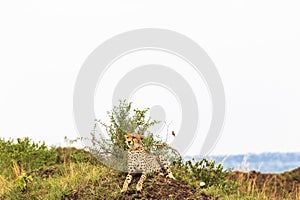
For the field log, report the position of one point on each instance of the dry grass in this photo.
(87, 180)
(255, 185)
(4, 185)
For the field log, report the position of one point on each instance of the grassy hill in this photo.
(30, 170)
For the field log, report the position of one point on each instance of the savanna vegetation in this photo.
(33, 170)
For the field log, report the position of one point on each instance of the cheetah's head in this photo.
(134, 141)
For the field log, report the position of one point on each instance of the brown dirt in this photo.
(44, 172)
(153, 188)
(163, 188)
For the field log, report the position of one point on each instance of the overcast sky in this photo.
(255, 46)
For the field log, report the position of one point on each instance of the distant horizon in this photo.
(264, 162)
(79, 145)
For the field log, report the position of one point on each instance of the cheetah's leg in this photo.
(126, 182)
(139, 185)
(160, 173)
(166, 167)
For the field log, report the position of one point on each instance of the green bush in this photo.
(204, 171)
(124, 119)
(24, 153)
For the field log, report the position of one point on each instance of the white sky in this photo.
(255, 46)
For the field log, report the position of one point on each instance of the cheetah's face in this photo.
(133, 140)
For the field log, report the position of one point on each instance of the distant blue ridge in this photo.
(264, 162)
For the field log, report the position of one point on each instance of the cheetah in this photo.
(139, 161)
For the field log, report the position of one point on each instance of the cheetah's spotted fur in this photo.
(139, 161)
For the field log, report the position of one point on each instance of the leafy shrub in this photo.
(26, 154)
(204, 174)
(124, 119)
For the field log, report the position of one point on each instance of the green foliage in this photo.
(71, 154)
(76, 176)
(22, 181)
(204, 171)
(26, 154)
(70, 173)
(124, 119)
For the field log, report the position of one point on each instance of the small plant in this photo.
(204, 174)
(124, 119)
(22, 180)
